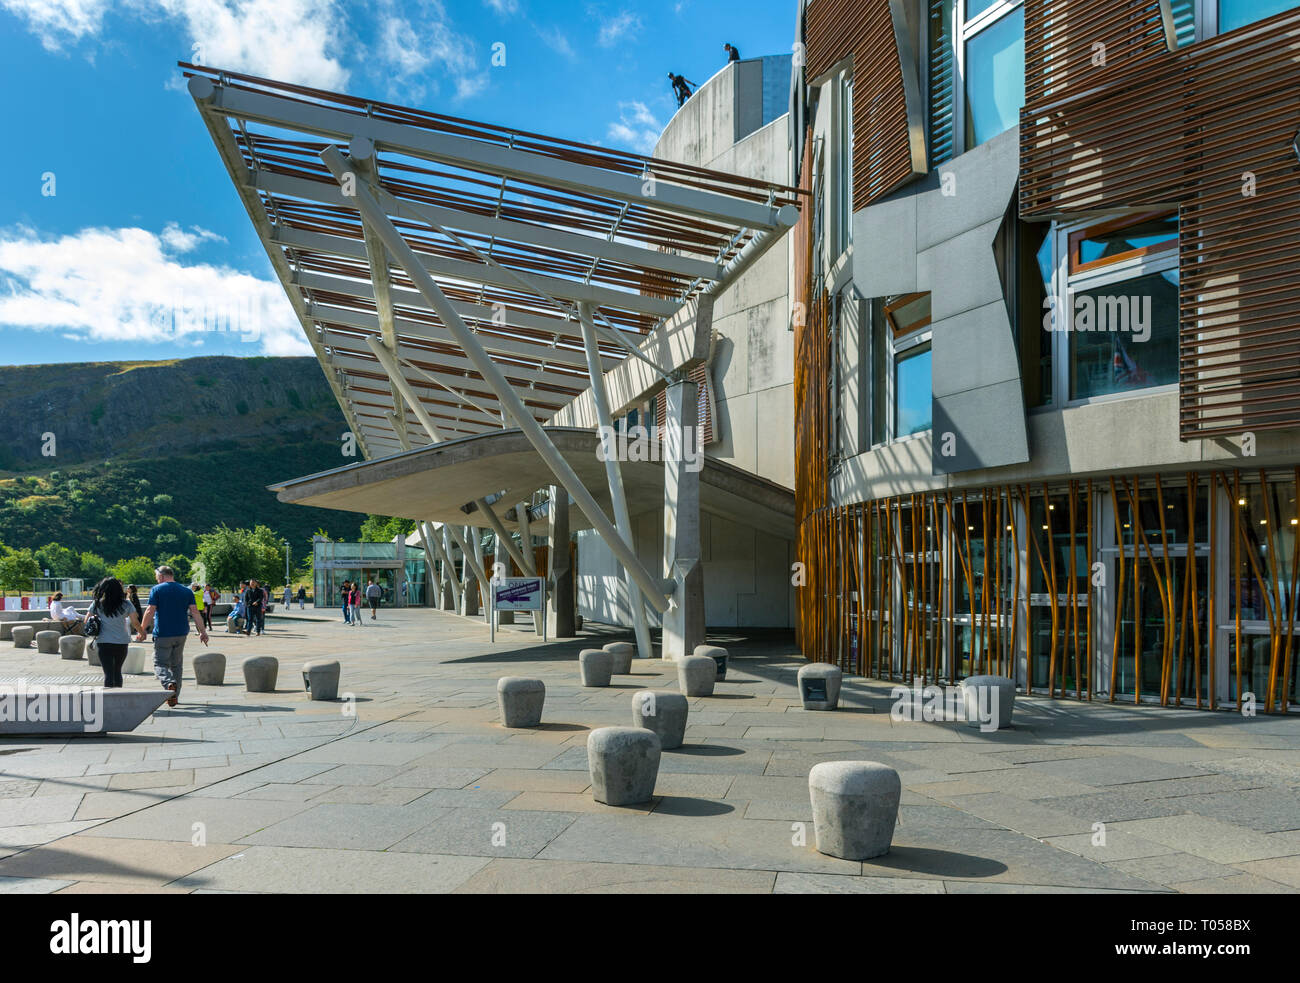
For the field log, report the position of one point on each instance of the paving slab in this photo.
(345, 826)
(798, 883)
(564, 877)
(87, 857)
(318, 870)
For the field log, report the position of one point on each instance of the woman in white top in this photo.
(65, 614)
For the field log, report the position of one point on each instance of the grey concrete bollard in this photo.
(623, 653)
(135, 659)
(47, 642)
(520, 700)
(23, 635)
(210, 669)
(819, 686)
(989, 701)
(321, 679)
(718, 654)
(663, 713)
(696, 675)
(72, 647)
(261, 673)
(624, 764)
(855, 806)
(595, 666)
(92, 654)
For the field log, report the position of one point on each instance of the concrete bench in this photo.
(663, 713)
(210, 669)
(622, 653)
(855, 806)
(624, 764)
(72, 647)
(261, 673)
(47, 641)
(989, 701)
(321, 679)
(520, 700)
(78, 709)
(22, 636)
(595, 667)
(819, 686)
(718, 654)
(696, 675)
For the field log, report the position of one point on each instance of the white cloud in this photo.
(416, 46)
(615, 29)
(557, 41)
(128, 285)
(505, 8)
(636, 127)
(291, 40)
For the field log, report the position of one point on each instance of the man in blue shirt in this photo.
(171, 606)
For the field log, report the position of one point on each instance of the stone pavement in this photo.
(422, 790)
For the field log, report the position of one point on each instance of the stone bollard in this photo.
(520, 700)
(321, 679)
(596, 666)
(855, 806)
(663, 713)
(622, 653)
(47, 642)
(696, 675)
(718, 654)
(210, 669)
(624, 764)
(92, 654)
(134, 664)
(23, 635)
(989, 701)
(819, 686)
(72, 647)
(260, 673)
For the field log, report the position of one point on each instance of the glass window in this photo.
(976, 7)
(1113, 242)
(1124, 336)
(1238, 13)
(995, 78)
(844, 230)
(912, 391)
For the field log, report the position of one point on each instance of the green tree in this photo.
(18, 568)
(138, 570)
(269, 548)
(382, 528)
(227, 555)
(93, 568)
(59, 560)
(182, 567)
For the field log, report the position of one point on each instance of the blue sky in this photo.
(120, 227)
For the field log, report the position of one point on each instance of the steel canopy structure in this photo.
(456, 278)
(515, 228)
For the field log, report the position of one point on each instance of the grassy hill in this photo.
(94, 455)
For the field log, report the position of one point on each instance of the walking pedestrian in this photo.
(354, 599)
(171, 606)
(117, 619)
(345, 591)
(133, 596)
(254, 608)
(302, 598)
(287, 594)
(201, 602)
(373, 593)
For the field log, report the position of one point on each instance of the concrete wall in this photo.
(753, 357)
(746, 570)
(746, 574)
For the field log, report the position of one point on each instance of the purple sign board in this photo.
(518, 594)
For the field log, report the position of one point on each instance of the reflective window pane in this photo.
(995, 78)
(912, 389)
(1115, 243)
(1124, 336)
(1238, 13)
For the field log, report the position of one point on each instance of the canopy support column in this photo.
(683, 624)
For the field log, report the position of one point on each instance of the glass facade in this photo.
(399, 570)
(1238, 13)
(995, 78)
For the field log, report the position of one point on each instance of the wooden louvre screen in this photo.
(704, 404)
(1209, 128)
(864, 30)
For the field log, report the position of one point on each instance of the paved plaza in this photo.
(422, 790)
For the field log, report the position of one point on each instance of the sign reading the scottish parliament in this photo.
(518, 594)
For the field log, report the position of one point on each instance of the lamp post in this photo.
(286, 563)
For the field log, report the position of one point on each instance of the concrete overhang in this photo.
(437, 483)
